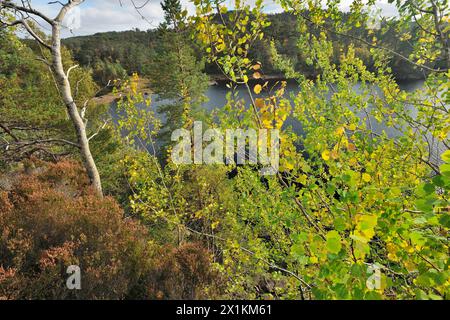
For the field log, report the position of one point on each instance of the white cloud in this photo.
(114, 17)
(110, 15)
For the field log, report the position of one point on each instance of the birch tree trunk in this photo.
(24, 12)
(79, 125)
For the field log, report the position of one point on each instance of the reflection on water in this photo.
(217, 93)
(217, 99)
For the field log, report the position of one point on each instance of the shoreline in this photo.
(216, 79)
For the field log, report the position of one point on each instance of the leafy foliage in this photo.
(350, 201)
(354, 212)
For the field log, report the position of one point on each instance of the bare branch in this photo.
(98, 130)
(29, 10)
(8, 131)
(70, 69)
(65, 9)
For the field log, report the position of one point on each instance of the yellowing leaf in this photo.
(257, 89)
(366, 177)
(410, 266)
(259, 103)
(214, 225)
(340, 131)
(365, 228)
(334, 154)
(257, 75)
(289, 165)
(352, 127)
(361, 249)
(446, 156)
(326, 155)
(367, 222)
(302, 179)
(351, 147)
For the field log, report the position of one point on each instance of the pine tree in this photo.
(176, 74)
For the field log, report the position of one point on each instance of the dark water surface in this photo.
(217, 93)
(217, 99)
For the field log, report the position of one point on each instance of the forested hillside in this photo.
(114, 53)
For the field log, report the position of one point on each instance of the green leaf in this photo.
(439, 181)
(368, 222)
(445, 220)
(333, 242)
(297, 250)
(417, 238)
(446, 156)
(425, 205)
(445, 169)
(339, 224)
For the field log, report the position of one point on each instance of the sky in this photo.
(109, 15)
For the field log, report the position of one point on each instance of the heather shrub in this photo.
(51, 219)
(184, 273)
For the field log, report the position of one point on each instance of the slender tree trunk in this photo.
(443, 37)
(66, 92)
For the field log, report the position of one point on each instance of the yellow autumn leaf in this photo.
(257, 89)
(392, 252)
(340, 131)
(326, 155)
(289, 165)
(302, 179)
(365, 228)
(352, 127)
(214, 224)
(351, 147)
(267, 123)
(334, 154)
(259, 103)
(410, 266)
(366, 177)
(257, 75)
(256, 67)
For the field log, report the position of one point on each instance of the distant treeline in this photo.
(115, 54)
